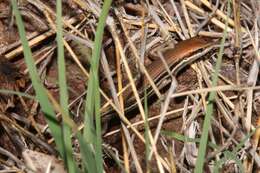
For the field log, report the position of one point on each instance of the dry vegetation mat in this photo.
(129, 86)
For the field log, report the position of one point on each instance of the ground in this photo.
(143, 31)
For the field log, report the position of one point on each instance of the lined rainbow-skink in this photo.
(158, 72)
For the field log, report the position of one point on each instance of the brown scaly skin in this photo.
(157, 70)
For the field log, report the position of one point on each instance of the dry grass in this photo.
(166, 135)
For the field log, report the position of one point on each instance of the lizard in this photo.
(159, 74)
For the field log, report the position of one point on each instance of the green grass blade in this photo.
(40, 91)
(209, 109)
(183, 138)
(99, 155)
(68, 153)
(4, 91)
(93, 96)
(88, 157)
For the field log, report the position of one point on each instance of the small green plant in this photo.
(211, 100)
(90, 141)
